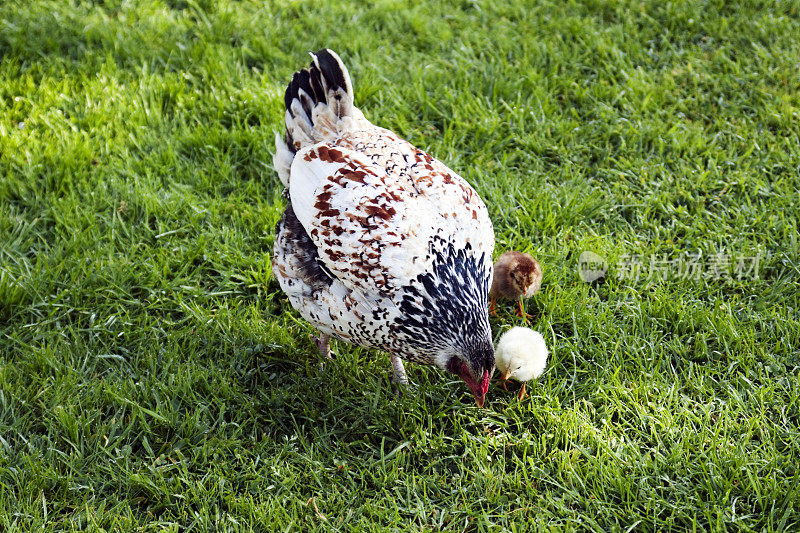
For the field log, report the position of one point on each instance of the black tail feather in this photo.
(325, 75)
(331, 70)
(324, 67)
(316, 85)
(326, 78)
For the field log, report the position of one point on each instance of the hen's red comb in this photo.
(484, 385)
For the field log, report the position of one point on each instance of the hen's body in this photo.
(381, 245)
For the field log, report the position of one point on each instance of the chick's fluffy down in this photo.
(522, 352)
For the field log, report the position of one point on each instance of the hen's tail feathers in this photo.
(319, 106)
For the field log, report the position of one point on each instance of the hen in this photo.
(381, 245)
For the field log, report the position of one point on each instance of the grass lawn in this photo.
(153, 376)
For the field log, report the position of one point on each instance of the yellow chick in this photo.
(516, 276)
(521, 354)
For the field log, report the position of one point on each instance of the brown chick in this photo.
(516, 276)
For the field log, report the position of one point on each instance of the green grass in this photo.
(153, 376)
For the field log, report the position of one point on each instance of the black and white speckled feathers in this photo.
(445, 307)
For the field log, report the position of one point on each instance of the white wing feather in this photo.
(375, 231)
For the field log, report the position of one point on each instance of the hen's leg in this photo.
(398, 374)
(323, 343)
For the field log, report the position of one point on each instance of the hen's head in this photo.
(475, 366)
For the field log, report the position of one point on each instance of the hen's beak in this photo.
(479, 400)
(478, 388)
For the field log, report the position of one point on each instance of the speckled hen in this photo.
(381, 245)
